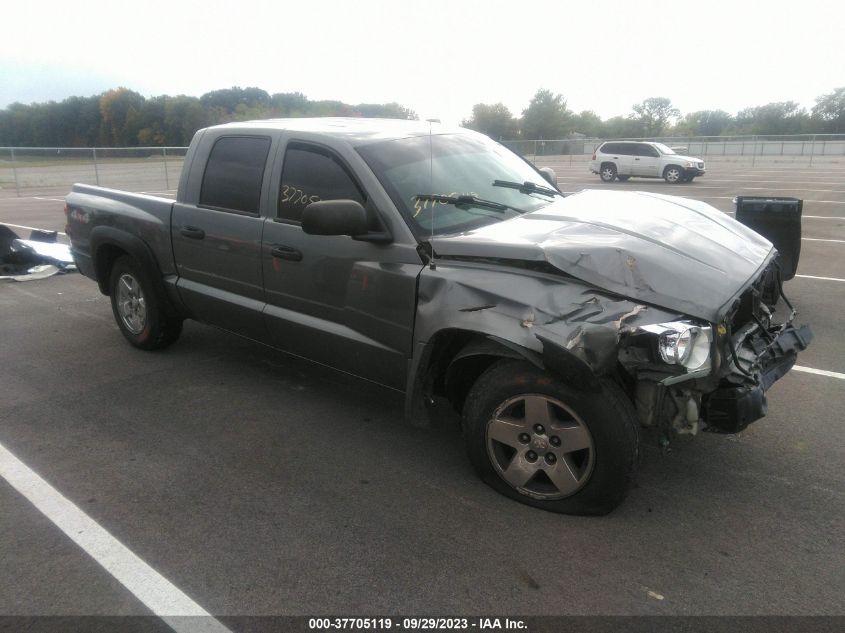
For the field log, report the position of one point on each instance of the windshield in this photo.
(663, 149)
(452, 165)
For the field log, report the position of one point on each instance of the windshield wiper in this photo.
(527, 187)
(467, 200)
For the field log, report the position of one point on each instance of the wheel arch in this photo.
(108, 244)
(453, 359)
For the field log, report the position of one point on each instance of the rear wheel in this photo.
(540, 442)
(137, 309)
(608, 172)
(673, 174)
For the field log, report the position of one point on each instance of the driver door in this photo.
(646, 161)
(343, 302)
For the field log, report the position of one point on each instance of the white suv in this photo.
(644, 159)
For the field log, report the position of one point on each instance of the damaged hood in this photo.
(668, 251)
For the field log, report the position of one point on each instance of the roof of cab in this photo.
(354, 130)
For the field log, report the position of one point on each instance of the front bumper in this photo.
(694, 172)
(760, 359)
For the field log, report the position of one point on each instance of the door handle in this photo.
(280, 251)
(192, 232)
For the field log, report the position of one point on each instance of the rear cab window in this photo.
(234, 174)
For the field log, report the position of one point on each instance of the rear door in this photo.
(347, 303)
(217, 234)
(619, 154)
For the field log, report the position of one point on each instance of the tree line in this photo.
(124, 118)
(548, 117)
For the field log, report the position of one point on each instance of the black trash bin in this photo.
(779, 221)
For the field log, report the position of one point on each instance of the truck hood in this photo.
(667, 251)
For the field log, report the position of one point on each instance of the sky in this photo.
(436, 57)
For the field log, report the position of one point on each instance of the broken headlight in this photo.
(683, 343)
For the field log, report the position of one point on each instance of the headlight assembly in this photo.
(683, 343)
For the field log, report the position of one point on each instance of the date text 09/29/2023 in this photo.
(415, 624)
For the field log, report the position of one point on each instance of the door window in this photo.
(234, 173)
(310, 174)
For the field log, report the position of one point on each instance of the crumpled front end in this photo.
(747, 352)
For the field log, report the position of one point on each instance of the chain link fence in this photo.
(32, 171)
(803, 149)
(51, 171)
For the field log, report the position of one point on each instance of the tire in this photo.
(622, 178)
(137, 308)
(673, 174)
(592, 467)
(608, 172)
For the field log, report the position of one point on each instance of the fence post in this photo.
(15, 172)
(96, 169)
(813, 150)
(166, 175)
(754, 152)
(535, 152)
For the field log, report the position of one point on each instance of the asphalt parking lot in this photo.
(259, 484)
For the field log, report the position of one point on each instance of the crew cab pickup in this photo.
(436, 262)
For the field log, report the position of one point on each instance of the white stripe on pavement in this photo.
(162, 597)
(819, 372)
(819, 239)
(30, 228)
(822, 278)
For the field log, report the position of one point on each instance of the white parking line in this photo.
(818, 239)
(53, 199)
(29, 228)
(824, 217)
(822, 278)
(819, 372)
(162, 597)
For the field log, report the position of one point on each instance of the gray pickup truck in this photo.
(438, 263)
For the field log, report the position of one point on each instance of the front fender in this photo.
(566, 326)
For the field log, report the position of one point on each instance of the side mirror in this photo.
(550, 175)
(334, 217)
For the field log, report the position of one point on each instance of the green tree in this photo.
(588, 123)
(183, 116)
(385, 111)
(120, 112)
(622, 127)
(782, 117)
(546, 117)
(228, 99)
(289, 104)
(654, 114)
(704, 123)
(495, 120)
(152, 130)
(829, 112)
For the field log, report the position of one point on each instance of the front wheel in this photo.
(137, 309)
(545, 444)
(673, 174)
